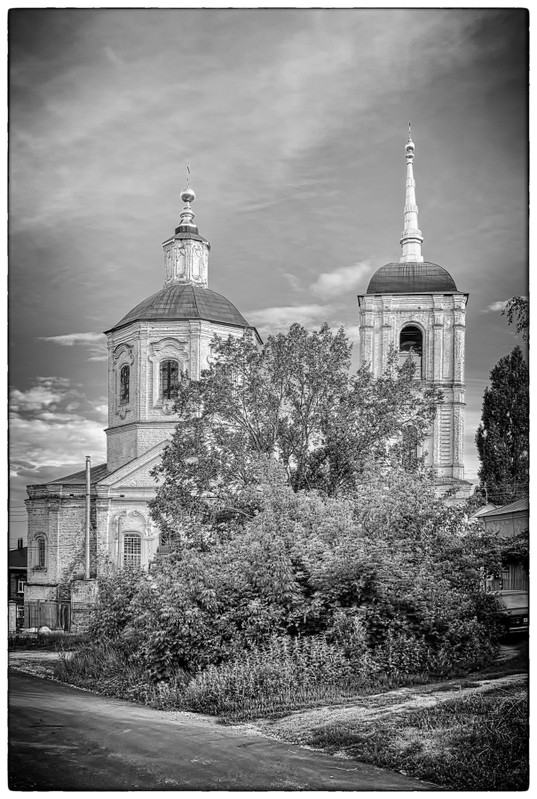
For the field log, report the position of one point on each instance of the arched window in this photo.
(40, 552)
(411, 344)
(132, 550)
(124, 384)
(411, 338)
(169, 379)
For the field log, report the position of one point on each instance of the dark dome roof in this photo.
(411, 277)
(185, 301)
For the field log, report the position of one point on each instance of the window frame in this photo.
(124, 369)
(171, 390)
(128, 557)
(41, 552)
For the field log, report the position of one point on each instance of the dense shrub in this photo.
(311, 591)
(284, 673)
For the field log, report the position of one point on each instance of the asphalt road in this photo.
(61, 738)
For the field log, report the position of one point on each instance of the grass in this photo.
(473, 741)
(50, 642)
(479, 742)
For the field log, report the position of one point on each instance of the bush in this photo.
(280, 676)
(105, 667)
(312, 593)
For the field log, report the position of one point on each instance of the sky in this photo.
(294, 123)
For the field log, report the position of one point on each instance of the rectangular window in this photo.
(132, 551)
(21, 582)
(169, 379)
(124, 384)
(41, 553)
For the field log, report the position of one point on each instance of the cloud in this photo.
(95, 341)
(272, 320)
(341, 280)
(499, 305)
(52, 427)
(352, 332)
(53, 424)
(293, 280)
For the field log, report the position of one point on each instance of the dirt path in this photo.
(298, 725)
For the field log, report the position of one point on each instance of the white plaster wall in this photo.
(146, 420)
(441, 318)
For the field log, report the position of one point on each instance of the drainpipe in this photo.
(88, 516)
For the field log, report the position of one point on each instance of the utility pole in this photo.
(88, 517)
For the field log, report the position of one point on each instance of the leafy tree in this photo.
(517, 310)
(389, 572)
(293, 401)
(502, 437)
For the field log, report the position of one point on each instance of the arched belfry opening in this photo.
(411, 341)
(411, 338)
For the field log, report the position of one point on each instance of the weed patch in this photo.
(478, 742)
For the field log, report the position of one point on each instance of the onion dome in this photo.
(411, 278)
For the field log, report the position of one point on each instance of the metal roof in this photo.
(18, 558)
(514, 507)
(411, 277)
(182, 301)
(79, 478)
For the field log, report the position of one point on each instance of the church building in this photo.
(413, 306)
(101, 513)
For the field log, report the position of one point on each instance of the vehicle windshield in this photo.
(512, 601)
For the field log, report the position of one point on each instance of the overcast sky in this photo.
(294, 123)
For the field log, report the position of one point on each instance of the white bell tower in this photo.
(414, 305)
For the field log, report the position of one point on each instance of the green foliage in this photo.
(105, 666)
(502, 438)
(272, 677)
(515, 549)
(118, 591)
(302, 555)
(385, 582)
(292, 401)
(517, 310)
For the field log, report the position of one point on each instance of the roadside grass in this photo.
(53, 641)
(269, 684)
(477, 742)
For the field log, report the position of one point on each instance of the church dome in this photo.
(182, 301)
(411, 277)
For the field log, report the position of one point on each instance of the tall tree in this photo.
(293, 401)
(502, 438)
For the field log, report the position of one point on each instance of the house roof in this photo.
(18, 558)
(79, 478)
(482, 510)
(514, 507)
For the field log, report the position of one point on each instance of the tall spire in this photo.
(411, 238)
